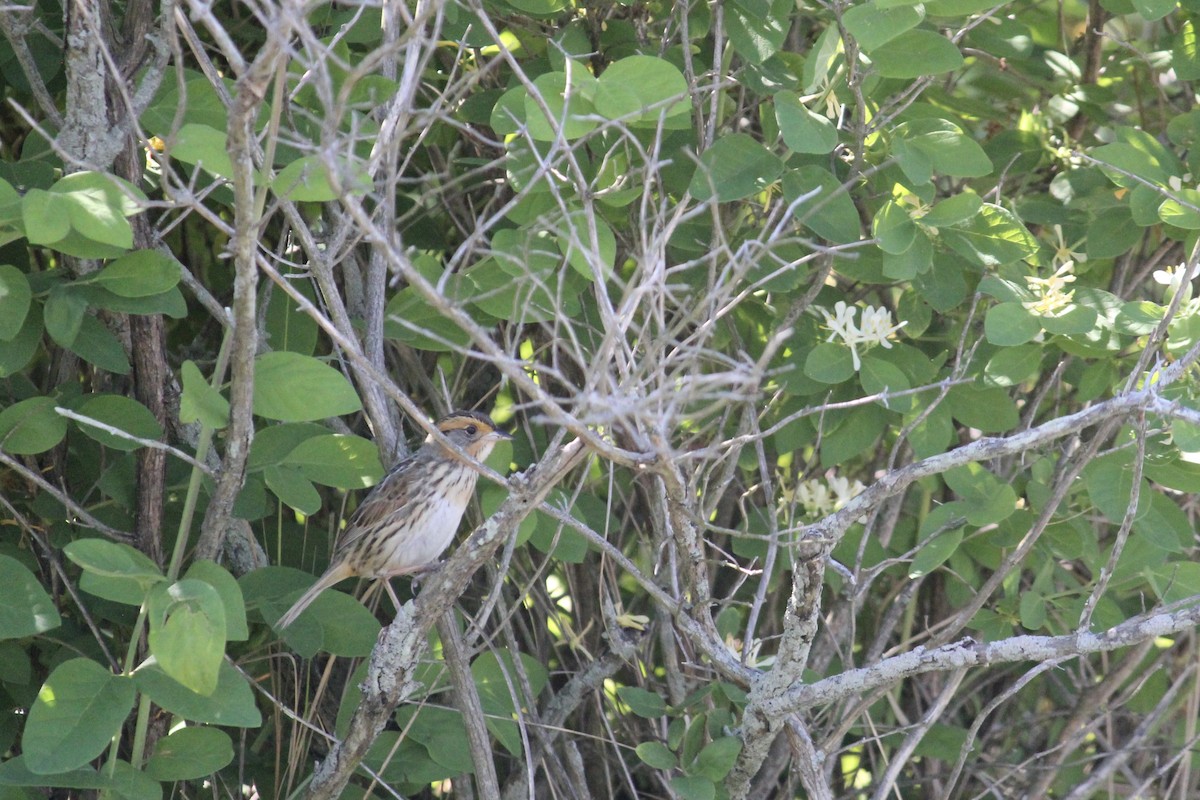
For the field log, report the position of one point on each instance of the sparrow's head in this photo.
(474, 433)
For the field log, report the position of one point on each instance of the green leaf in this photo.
(47, 216)
(894, 228)
(187, 632)
(97, 205)
(736, 166)
(229, 591)
(569, 111)
(290, 486)
(829, 362)
(114, 571)
(830, 211)
(27, 610)
(308, 180)
(717, 758)
(593, 259)
(1130, 164)
(190, 753)
(1183, 212)
(119, 778)
(203, 146)
(169, 303)
(878, 376)
(757, 28)
(944, 286)
(296, 388)
(1072, 321)
(1013, 365)
(1185, 55)
(1176, 581)
(508, 114)
(78, 710)
(495, 678)
(656, 754)
(939, 145)
(1009, 324)
(287, 326)
(989, 410)
(690, 787)
(272, 443)
(933, 434)
(63, 314)
(914, 261)
(411, 319)
(16, 353)
(347, 628)
(139, 274)
(986, 499)
(916, 53)
(1152, 10)
(873, 26)
(994, 237)
(340, 460)
(639, 89)
(31, 426)
(97, 345)
(803, 131)
(941, 534)
(644, 703)
(121, 413)
(200, 401)
(14, 301)
(559, 541)
(954, 210)
(1032, 609)
(114, 560)
(231, 704)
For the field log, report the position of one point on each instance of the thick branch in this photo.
(970, 653)
(251, 91)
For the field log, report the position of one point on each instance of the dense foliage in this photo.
(849, 350)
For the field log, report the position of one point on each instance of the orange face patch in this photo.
(465, 419)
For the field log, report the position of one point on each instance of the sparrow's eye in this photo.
(472, 430)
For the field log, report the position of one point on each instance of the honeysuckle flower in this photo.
(1050, 294)
(1064, 253)
(876, 327)
(844, 490)
(819, 497)
(815, 498)
(1173, 278)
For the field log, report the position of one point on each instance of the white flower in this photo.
(1174, 278)
(1064, 253)
(815, 497)
(1050, 293)
(876, 327)
(844, 490)
(822, 497)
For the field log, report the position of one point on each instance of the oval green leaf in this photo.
(139, 274)
(187, 632)
(78, 710)
(916, 53)
(27, 609)
(31, 426)
(190, 753)
(297, 388)
(120, 414)
(14, 300)
(736, 166)
(341, 460)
